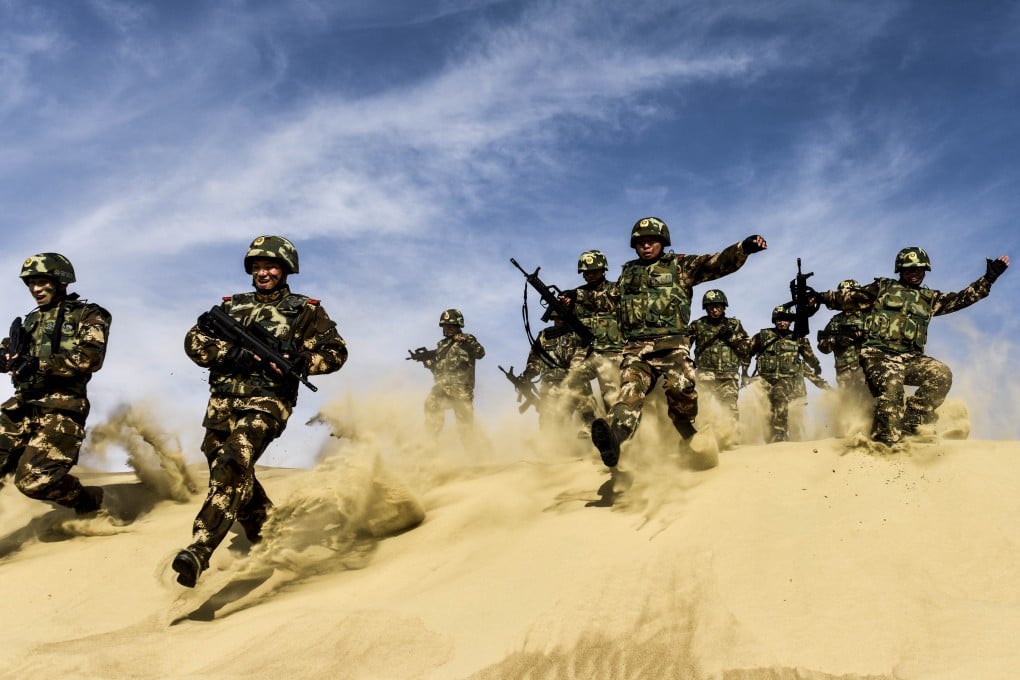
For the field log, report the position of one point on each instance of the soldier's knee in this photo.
(227, 469)
(32, 481)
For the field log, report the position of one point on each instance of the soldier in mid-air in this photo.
(655, 309)
(453, 369)
(720, 346)
(896, 317)
(51, 357)
(251, 398)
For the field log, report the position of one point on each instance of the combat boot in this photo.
(252, 522)
(686, 429)
(189, 565)
(605, 440)
(88, 501)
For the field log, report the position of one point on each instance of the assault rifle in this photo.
(551, 297)
(18, 357)
(525, 389)
(422, 354)
(804, 310)
(255, 339)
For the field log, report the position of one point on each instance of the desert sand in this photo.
(825, 558)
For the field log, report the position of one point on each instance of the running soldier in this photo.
(843, 337)
(250, 399)
(51, 357)
(896, 317)
(549, 361)
(720, 346)
(655, 309)
(781, 361)
(453, 369)
(596, 304)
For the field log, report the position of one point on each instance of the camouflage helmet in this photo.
(274, 248)
(912, 258)
(53, 265)
(714, 297)
(782, 313)
(451, 317)
(592, 260)
(848, 284)
(649, 226)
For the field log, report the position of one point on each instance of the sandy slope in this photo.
(798, 560)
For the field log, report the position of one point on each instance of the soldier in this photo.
(896, 317)
(51, 358)
(596, 304)
(549, 361)
(250, 401)
(655, 308)
(453, 369)
(842, 337)
(720, 351)
(781, 361)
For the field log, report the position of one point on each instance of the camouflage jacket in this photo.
(843, 337)
(598, 308)
(655, 297)
(68, 356)
(559, 343)
(896, 316)
(454, 361)
(781, 355)
(302, 328)
(724, 356)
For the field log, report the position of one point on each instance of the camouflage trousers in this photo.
(603, 367)
(459, 398)
(723, 388)
(640, 370)
(40, 446)
(234, 441)
(781, 391)
(887, 373)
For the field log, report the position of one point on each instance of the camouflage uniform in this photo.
(453, 369)
(781, 361)
(720, 352)
(249, 404)
(557, 402)
(597, 306)
(43, 425)
(896, 318)
(655, 308)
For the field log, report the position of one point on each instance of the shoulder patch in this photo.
(228, 298)
(313, 301)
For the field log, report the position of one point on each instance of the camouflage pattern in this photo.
(451, 317)
(714, 297)
(453, 369)
(896, 319)
(781, 362)
(42, 426)
(843, 337)
(557, 401)
(720, 352)
(53, 265)
(249, 408)
(272, 248)
(649, 226)
(655, 310)
(591, 261)
(912, 256)
(597, 306)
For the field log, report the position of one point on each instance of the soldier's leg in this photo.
(577, 387)
(933, 380)
(463, 405)
(435, 410)
(728, 392)
(637, 378)
(678, 384)
(607, 372)
(44, 471)
(884, 374)
(779, 406)
(15, 426)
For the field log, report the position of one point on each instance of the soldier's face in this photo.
(783, 325)
(912, 276)
(715, 311)
(450, 330)
(594, 275)
(43, 289)
(648, 247)
(267, 274)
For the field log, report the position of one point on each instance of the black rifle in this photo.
(525, 389)
(422, 354)
(255, 339)
(551, 297)
(804, 309)
(18, 349)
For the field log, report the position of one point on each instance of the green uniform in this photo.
(43, 425)
(720, 352)
(781, 361)
(453, 370)
(597, 306)
(549, 361)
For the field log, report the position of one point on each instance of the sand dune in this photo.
(816, 559)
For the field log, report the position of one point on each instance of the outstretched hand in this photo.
(995, 268)
(754, 244)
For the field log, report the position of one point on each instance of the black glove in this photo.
(301, 364)
(24, 368)
(239, 359)
(994, 269)
(750, 244)
(818, 370)
(725, 333)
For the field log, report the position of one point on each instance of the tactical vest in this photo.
(280, 317)
(713, 354)
(47, 340)
(653, 302)
(898, 321)
(847, 354)
(780, 355)
(598, 309)
(561, 348)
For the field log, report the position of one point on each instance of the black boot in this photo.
(606, 441)
(686, 429)
(89, 500)
(189, 564)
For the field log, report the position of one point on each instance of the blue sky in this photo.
(409, 149)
